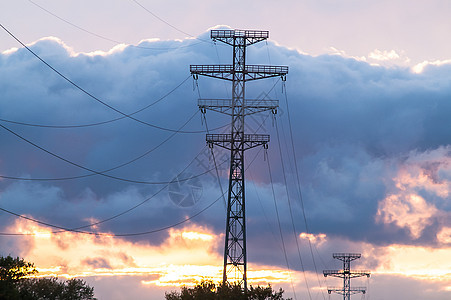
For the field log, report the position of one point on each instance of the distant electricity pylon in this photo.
(237, 141)
(347, 275)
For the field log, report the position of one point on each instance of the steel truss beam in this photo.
(249, 140)
(250, 72)
(251, 106)
(229, 36)
(351, 291)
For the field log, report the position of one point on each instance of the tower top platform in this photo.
(261, 34)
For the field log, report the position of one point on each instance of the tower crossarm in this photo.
(251, 106)
(216, 71)
(254, 72)
(344, 273)
(346, 256)
(341, 291)
(228, 36)
(334, 273)
(249, 140)
(251, 72)
(359, 273)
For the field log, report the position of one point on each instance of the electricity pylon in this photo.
(347, 275)
(237, 141)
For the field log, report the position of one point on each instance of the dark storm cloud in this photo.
(354, 125)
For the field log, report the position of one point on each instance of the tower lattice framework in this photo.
(237, 141)
(346, 274)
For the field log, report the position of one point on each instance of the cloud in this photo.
(371, 143)
(421, 176)
(90, 255)
(186, 256)
(389, 58)
(419, 68)
(97, 263)
(401, 287)
(444, 235)
(406, 211)
(383, 55)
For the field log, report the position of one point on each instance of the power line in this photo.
(278, 222)
(214, 161)
(102, 122)
(298, 181)
(118, 214)
(291, 210)
(77, 229)
(103, 37)
(94, 172)
(88, 93)
(167, 23)
(298, 186)
(262, 207)
(100, 233)
(83, 176)
(167, 183)
(108, 170)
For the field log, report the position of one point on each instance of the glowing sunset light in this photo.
(110, 253)
(32, 230)
(187, 275)
(414, 177)
(406, 210)
(192, 235)
(261, 275)
(49, 270)
(421, 262)
(90, 256)
(314, 238)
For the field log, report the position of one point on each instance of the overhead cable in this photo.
(88, 93)
(77, 229)
(216, 166)
(298, 184)
(94, 172)
(278, 222)
(282, 164)
(102, 122)
(106, 38)
(167, 23)
(102, 233)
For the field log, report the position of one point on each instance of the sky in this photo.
(362, 122)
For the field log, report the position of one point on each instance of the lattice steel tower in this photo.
(237, 141)
(347, 275)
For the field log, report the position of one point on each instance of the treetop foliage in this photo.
(14, 269)
(16, 285)
(208, 290)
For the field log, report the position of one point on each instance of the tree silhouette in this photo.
(207, 290)
(12, 271)
(15, 285)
